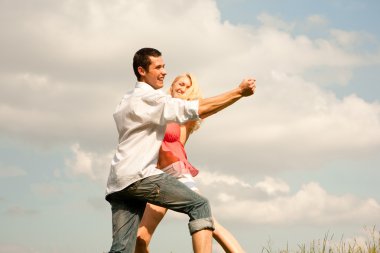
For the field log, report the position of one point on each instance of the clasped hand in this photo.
(247, 87)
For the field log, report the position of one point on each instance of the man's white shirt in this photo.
(141, 118)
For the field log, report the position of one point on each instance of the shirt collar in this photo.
(143, 86)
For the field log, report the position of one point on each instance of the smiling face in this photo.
(155, 74)
(180, 87)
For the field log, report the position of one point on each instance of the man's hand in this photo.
(247, 87)
(209, 106)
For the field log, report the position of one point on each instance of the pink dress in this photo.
(172, 143)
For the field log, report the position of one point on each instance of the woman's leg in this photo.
(226, 239)
(152, 216)
(220, 234)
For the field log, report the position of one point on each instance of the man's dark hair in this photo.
(141, 59)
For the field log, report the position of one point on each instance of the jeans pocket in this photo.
(154, 194)
(149, 189)
(133, 186)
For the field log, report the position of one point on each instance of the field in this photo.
(328, 244)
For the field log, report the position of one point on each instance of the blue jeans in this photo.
(163, 190)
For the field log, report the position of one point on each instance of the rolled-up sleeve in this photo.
(162, 109)
(180, 111)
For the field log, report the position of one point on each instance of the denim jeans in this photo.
(163, 190)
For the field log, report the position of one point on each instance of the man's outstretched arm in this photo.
(210, 106)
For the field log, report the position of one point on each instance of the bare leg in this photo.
(202, 241)
(152, 216)
(226, 239)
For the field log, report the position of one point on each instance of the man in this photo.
(141, 119)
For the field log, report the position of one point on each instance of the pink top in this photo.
(173, 144)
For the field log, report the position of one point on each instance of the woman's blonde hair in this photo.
(193, 93)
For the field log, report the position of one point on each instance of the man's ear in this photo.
(141, 71)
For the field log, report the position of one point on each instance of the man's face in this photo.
(155, 74)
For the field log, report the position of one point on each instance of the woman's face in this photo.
(180, 87)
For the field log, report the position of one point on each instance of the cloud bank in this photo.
(270, 201)
(61, 87)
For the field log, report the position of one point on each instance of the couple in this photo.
(137, 181)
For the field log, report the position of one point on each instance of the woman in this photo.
(173, 160)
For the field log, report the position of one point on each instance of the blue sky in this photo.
(349, 15)
(293, 162)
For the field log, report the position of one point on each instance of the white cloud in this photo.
(348, 39)
(273, 186)
(224, 197)
(268, 20)
(345, 38)
(84, 52)
(91, 165)
(65, 64)
(82, 163)
(311, 204)
(317, 20)
(42, 110)
(288, 124)
(208, 178)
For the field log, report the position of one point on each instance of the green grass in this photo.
(328, 245)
